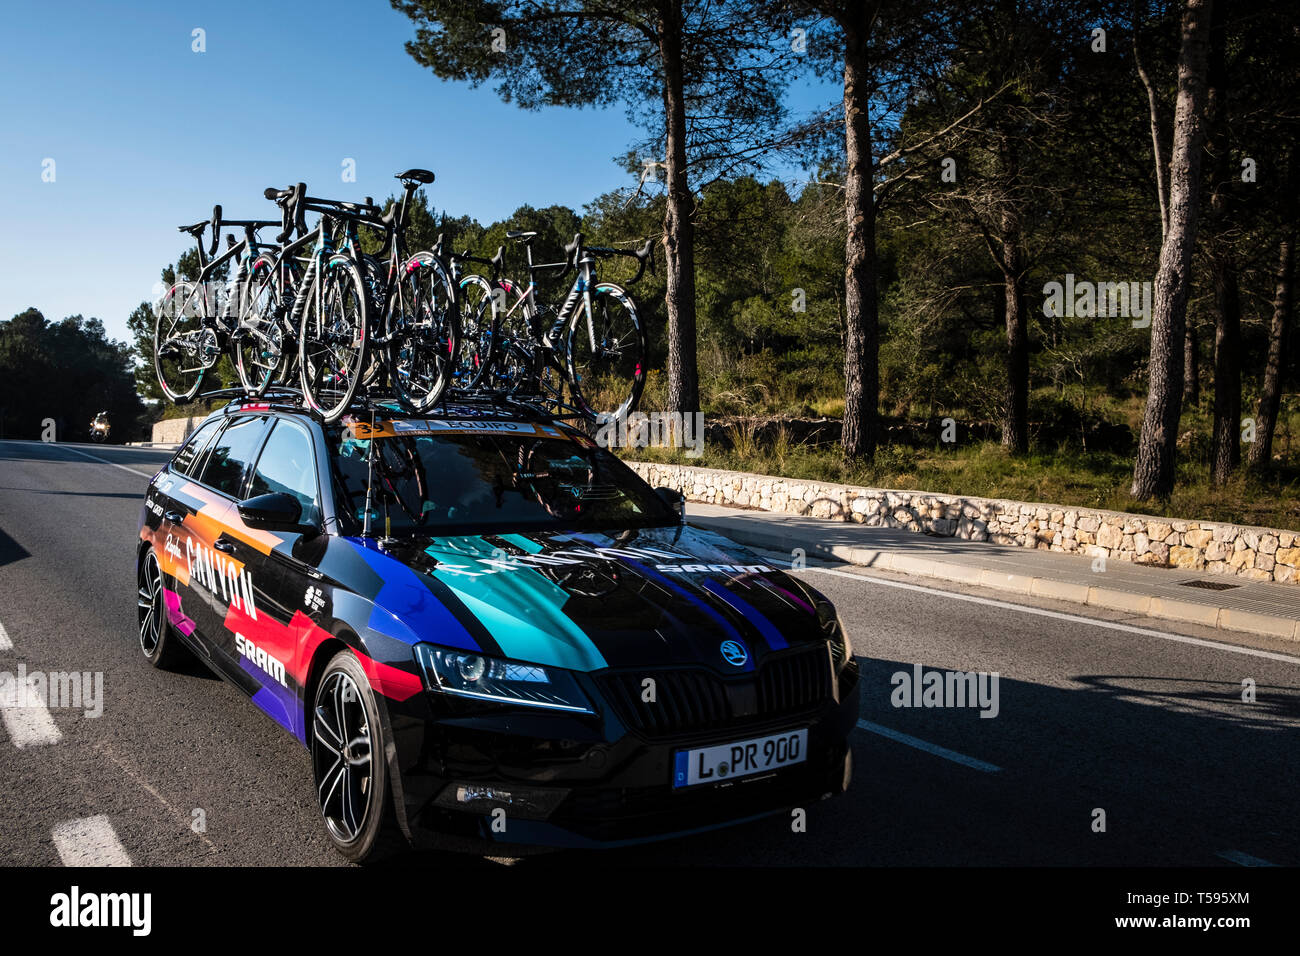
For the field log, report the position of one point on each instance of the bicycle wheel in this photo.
(607, 358)
(513, 350)
(332, 338)
(375, 273)
(478, 332)
(424, 333)
(260, 344)
(183, 347)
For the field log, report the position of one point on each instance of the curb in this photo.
(1189, 612)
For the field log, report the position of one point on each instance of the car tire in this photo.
(349, 767)
(159, 644)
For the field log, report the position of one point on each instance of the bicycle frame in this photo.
(581, 288)
(242, 251)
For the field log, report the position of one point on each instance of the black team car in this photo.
(490, 632)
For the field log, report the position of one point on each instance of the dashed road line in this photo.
(5, 643)
(27, 720)
(89, 841)
(928, 747)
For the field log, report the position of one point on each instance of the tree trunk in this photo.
(1261, 453)
(1153, 471)
(679, 228)
(1191, 369)
(862, 335)
(1015, 406)
(1157, 118)
(1225, 454)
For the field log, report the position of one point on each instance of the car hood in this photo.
(661, 597)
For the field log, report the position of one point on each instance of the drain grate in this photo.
(1209, 585)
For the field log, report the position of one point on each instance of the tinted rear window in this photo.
(185, 457)
(230, 454)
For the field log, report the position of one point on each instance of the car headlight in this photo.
(466, 674)
(836, 633)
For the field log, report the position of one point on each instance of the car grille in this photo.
(690, 699)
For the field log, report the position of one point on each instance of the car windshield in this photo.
(478, 481)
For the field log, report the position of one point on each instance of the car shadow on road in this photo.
(133, 495)
(1181, 770)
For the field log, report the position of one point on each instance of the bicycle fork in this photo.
(581, 289)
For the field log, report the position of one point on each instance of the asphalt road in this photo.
(1129, 719)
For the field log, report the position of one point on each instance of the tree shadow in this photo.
(1183, 769)
(11, 550)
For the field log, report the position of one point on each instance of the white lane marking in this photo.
(1243, 859)
(27, 720)
(1062, 616)
(929, 748)
(89, 841)
(102, 461)
(5, 643)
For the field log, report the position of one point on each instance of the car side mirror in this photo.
(673, 499)
(274, 512)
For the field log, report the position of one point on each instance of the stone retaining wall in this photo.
(1263, 554)
(175, 430)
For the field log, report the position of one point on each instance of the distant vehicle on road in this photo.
(488, 631)
(100, 427)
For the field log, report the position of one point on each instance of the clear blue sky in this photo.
(146, 134)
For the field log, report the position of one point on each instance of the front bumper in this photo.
(594, 781)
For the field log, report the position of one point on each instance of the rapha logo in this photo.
(173, 548)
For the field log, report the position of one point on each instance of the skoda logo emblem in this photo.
(734, 653)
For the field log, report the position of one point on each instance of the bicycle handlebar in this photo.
(286, 199)
(217, 221)
(299, 214)
(216, 229)
(644, 256)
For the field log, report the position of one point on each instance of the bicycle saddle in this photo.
(521, 236)
(419, 175)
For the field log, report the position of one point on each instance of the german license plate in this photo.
(743, 758)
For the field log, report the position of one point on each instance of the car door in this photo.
(220, 583)
(265, 634)
(177, 500)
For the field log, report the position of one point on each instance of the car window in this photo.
(185, 457)
(288, 464)
(230, 454)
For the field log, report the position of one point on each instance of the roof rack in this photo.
(273, 398)
(284, 398)
(453, 399)
(234, 391)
